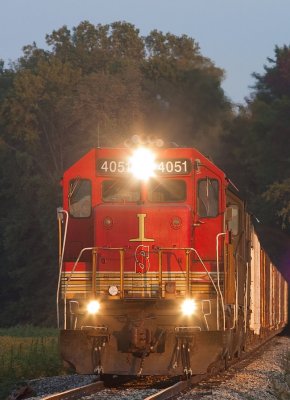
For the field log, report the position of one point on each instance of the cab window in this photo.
(121, 191)
(80, 198)
(166, 190)
(208, 198)
(233, 223)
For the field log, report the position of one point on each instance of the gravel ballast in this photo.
(267, 378)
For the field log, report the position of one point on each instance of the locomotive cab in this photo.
(146, 266)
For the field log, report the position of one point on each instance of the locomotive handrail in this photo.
(61, 255)
(122, 251)
(94, 252)
(188, 251)
(218, 236)
(69, 278)
(81, 253)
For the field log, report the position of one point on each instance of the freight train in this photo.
(161, 271)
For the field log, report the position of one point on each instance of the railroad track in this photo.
(77, 393)
(150, 389)
(98, 391)
(141, 389)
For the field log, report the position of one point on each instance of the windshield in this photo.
(158, 190)
(208, 198)
(80, 198)
(121, 191)
(166, 190)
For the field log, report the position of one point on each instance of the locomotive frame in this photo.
(168, 264)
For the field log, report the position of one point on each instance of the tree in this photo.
(184, 96)
(96, 84)
(259, 140)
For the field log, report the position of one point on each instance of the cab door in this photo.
(80, 226)
(237, 225)
(210, 217)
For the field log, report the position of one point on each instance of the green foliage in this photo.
(29, 331)
(275, 83)
(259, 141)
(186, 102)
(26, 353)
(278, 194)
(97, 84)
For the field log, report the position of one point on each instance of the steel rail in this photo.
(169, 392)
(185, 385)
(77, 393)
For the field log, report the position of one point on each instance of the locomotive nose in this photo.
(141, 230)
(129, 224)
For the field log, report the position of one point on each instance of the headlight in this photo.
(142, 164)
(93, 307)
(113, 290)
(188, 307)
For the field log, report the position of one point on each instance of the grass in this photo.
(27, 352)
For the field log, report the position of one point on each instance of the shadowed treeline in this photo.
(99, 85)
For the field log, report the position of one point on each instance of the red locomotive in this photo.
(161, 271)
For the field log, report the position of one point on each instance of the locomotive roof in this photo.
(87, 162)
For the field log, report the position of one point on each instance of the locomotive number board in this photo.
(176, 166)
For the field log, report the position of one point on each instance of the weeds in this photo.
(27, 353)
(28, 331)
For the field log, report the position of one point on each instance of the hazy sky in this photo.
(237, 35)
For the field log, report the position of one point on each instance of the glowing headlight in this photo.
(188, 307)
(113, 290)
(142, 164)
(93, 307)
